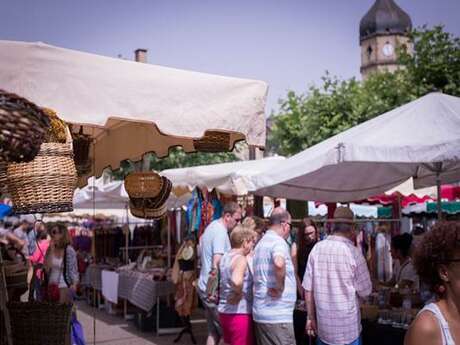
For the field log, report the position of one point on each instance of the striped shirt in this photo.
(337, 274)
(267, 309)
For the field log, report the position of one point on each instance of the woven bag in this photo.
(46, 184)
(152, 208)
(213, 141)
(23, 126)
(81, 146)
(148, 213)
(40, 323)
(143, 184)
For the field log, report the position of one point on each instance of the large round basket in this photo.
(23, 126)
(152, 208)
(148, 213)
(143, 184)
(46, 184)
(40, 323)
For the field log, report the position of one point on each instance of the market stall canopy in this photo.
(228, 178)
(131, 108)
(365, 211)
(420, 139)
(407, 194)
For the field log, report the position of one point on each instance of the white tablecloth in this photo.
(110, 286)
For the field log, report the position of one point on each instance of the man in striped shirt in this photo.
(275, 289)
(335, 279)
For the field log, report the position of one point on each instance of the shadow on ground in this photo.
(114, 330)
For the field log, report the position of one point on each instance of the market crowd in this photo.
(252, 277)
(47, 254)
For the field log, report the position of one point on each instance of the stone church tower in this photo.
(382, 31)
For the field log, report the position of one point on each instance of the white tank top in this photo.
(245, 304)
(447, 338)
(56, 275)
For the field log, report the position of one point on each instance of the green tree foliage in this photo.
(177, 159)
(307, 119)
(435, 64)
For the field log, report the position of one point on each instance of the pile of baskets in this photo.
(40, 176)
(39, 323)
(148, 193)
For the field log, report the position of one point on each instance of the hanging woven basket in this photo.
(46, 184)
(213, 141)
(81, 146)
(143, 184)
(152, 207)
(40, 323)
(23, 127)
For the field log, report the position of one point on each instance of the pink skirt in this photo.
(237, 329)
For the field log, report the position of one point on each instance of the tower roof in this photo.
(384, 17)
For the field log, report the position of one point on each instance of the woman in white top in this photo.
(437, 261)
(61, 266)
(404, 273)
(235, 294)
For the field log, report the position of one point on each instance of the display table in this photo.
(93, 276)
(377, 334)
(141, 290)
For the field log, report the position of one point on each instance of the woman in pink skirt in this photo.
(235, 299)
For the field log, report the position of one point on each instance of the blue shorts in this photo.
(356, 342)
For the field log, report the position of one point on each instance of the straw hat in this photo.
(343, 215)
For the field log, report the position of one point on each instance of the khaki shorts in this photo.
(274, 333)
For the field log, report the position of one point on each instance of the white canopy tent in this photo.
(408, 188)
(228, 178)
(366, 211)
(102, 196)
(420, 139)
(130, 108)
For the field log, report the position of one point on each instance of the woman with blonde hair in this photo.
(235, 300)
(61, 266)
(255, 224)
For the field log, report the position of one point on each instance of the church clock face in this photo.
(388, 49)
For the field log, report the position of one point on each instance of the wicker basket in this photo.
(213, 141)
(3, 185)
(143, 184)
(148, 213)
(81, 146)
(40, 323)
(46, 184)
(152, 208)
(23, 126)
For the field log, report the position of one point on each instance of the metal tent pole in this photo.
(438, 190)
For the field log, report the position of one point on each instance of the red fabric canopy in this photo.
(448, 192)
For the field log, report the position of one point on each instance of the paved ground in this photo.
(114, 330)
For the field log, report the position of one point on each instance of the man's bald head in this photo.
(279, 215)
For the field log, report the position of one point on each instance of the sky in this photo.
(287, 43)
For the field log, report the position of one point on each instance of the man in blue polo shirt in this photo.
(275, 291)
(214, 243)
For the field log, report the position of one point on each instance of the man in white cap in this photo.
(336, 278)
